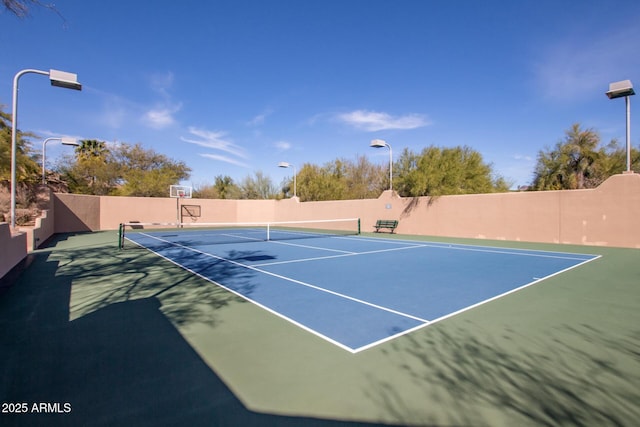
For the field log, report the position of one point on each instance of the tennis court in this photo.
(353, 291)
(126, 337)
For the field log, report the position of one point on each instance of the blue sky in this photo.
(234, 87)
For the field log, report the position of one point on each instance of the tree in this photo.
(223, 188)
(579, 161)
(441, 171)
(125, 170)
(145, 173)
(317, 183)
(91, 148)
(27, 169)
(227, 189)
(341, 179)
(205, 191)
(257, 187)
(365, 180)
(91, 171)
(613, 160)
(20, 8)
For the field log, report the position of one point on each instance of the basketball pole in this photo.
(178, 211)
(179, 192)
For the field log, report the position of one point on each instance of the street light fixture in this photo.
(57, 78)
(379, 143)
(289, 165)
(65, 141)
(619, 90)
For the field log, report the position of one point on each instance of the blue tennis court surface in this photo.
(356, 291)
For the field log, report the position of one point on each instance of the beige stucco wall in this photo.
(41, 231)
(76, 212)
(608, 215)
(115, 210)
(13, 248)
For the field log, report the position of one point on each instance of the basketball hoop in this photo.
(180, 191)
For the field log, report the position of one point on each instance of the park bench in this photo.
(391, 224)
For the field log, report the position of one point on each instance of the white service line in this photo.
(414, 245)
(481, 248)
(337, 256)
(289, 279)
(279, 242)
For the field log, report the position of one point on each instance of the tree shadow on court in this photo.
(105, 275)
(122, 363)
(577, 375)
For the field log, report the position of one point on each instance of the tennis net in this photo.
(189, 234)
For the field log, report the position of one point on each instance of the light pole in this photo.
(65, 141)
(619, 90)
(379, 143)
(289, 165)
(57, 78)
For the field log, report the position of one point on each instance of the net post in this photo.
(358, 226)
(121, 236)
(268, 232)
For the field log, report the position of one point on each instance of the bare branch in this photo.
(22, 8)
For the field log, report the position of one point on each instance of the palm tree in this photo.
(91, 173)
(573, 164)
(91, 148)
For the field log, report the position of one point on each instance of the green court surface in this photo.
(108, 337)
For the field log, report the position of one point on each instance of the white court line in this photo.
(311, 247)
(236, 236)
(291, 261)
(480, 248)
(518, 252)
(483, 249)
(264, 307)
(289, 279)
(462, 310)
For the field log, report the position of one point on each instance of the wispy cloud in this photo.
(161, 117)
(583, 65)
(113, 116)
(217, 141)
(225, 159)
(118, 112)
(161, 83)
(283, 145)
(260, 118)
(45, 133)
(372, 121)
(115, 109)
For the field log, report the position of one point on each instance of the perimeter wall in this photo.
(13, 248)
(608, 215)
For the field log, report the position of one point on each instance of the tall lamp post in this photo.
(379, 143)
(65, 141)
(57, 78)
(619, 90)
(289, 165)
